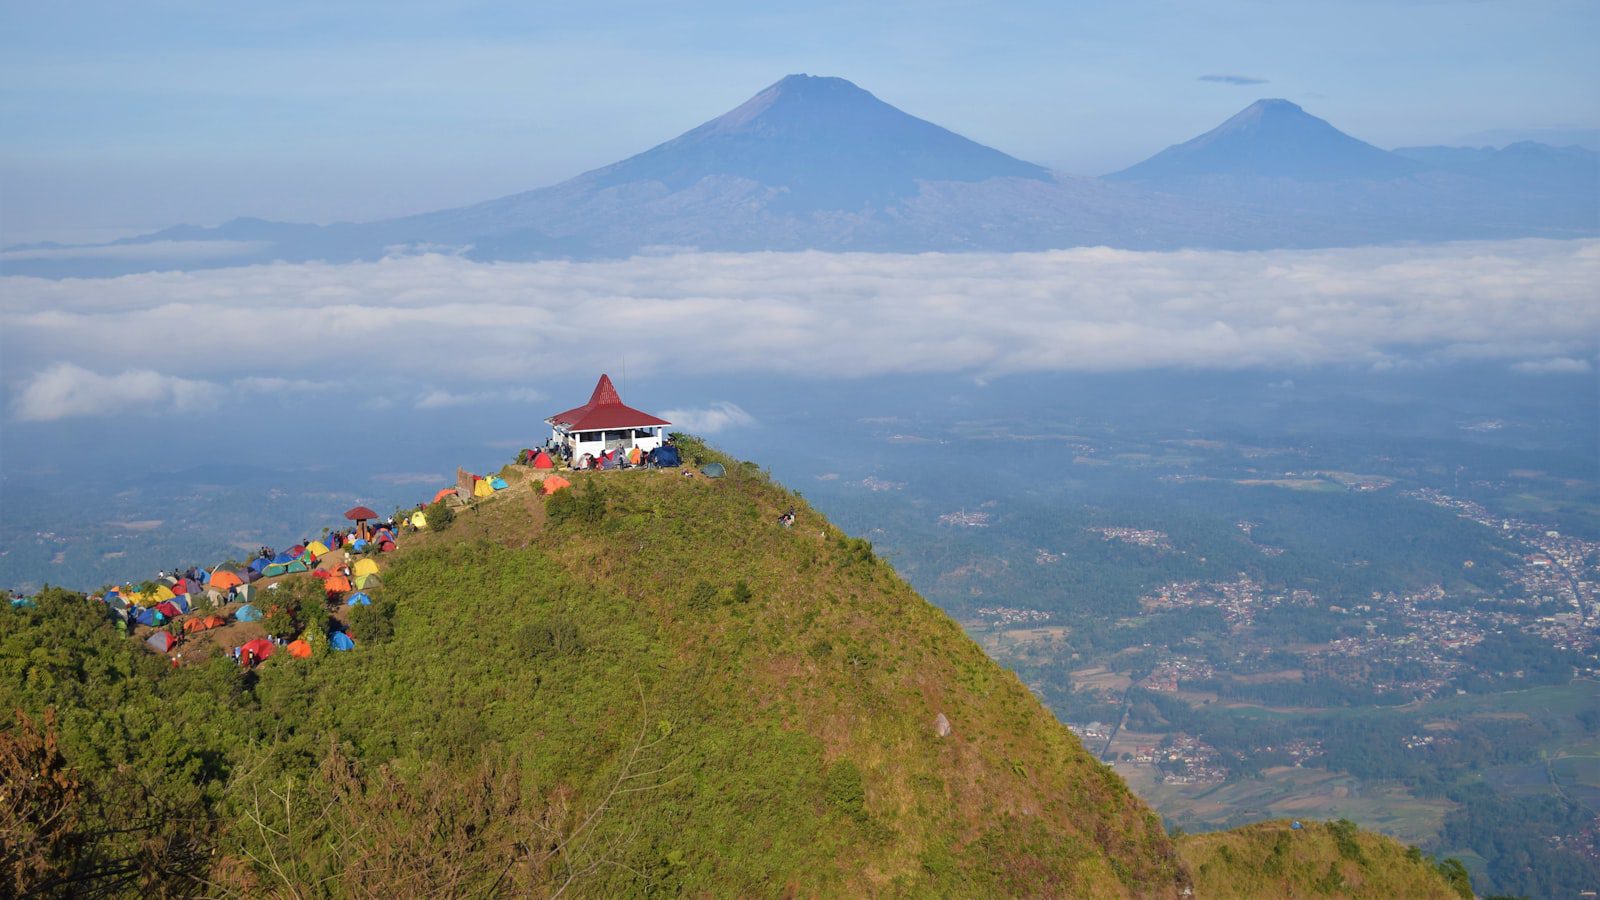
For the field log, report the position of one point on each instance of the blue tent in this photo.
(359, 598)
(147, 616)
(23, 603)
(341, 641)
(181, 602)
(284, 557)
(247, 613)
(667, 456)
(204, 576)
(713, 470)
(259, 563)
(359, 545)
(498, 483)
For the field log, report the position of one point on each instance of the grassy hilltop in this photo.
(644, 685)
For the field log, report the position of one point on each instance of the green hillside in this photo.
(1334, 859)
(641, 686)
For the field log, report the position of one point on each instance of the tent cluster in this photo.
(664, 456)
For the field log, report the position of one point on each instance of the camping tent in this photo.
(247, 613)
(295, 567)
(358, 599)
(182, 603)
(214, 597)
(443, 493)
(387, 547)
(713, 470)
(364, 582)
(146, 615)
(299, 649)
(341, 641)
(555, 483)
(666, 456)
(542, 460)
(317, 549)
(256, 650)
(366, 567)
(194, 625)
(259, 563)
(359, 545)
(246, 592)
(23, 603)
(224, 580)
(161, 641)
(338, 584)
(497, 483)
(481, 488)
(275, 569)
(169, 609)
(418, 520)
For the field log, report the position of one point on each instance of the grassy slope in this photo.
(772, 739)
(834, 665)
(1269, 859)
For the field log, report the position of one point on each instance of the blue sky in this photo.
(118, 115)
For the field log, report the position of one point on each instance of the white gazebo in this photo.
(606, 423)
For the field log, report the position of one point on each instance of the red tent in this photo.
(542, 460)
(386, 547)
(255, 651)
(169, 609)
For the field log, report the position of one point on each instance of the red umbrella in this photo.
(359, 513)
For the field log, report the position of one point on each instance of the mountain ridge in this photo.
(818, 163)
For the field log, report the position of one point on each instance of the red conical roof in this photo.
(604, 410)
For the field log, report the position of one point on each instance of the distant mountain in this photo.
(1272, 139)
(1522, 163)
(823, 143)
(819, 163)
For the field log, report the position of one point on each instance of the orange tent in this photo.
(224, 580)
(555, 483)
(215, 621)
(338, 584)
(299, 649)
(542, 460)
(443, 493)
(194, 625)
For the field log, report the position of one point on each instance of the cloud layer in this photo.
(1233, 79)
(463, 332)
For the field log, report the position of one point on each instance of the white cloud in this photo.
(65, 390)
(439, 398)
(710, 419)
(1560, 365)
(484, 332)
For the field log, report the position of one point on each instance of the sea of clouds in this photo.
(462, 332)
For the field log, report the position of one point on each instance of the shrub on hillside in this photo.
(844, 789)
(585, 505)
(279, 621)
(556, 636)
(439, 515)
(373, 623)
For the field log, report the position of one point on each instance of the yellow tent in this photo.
(365, 567)
(317, 549)
(482, 488)
(162, 593)
(419, 520)
(367, 581)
